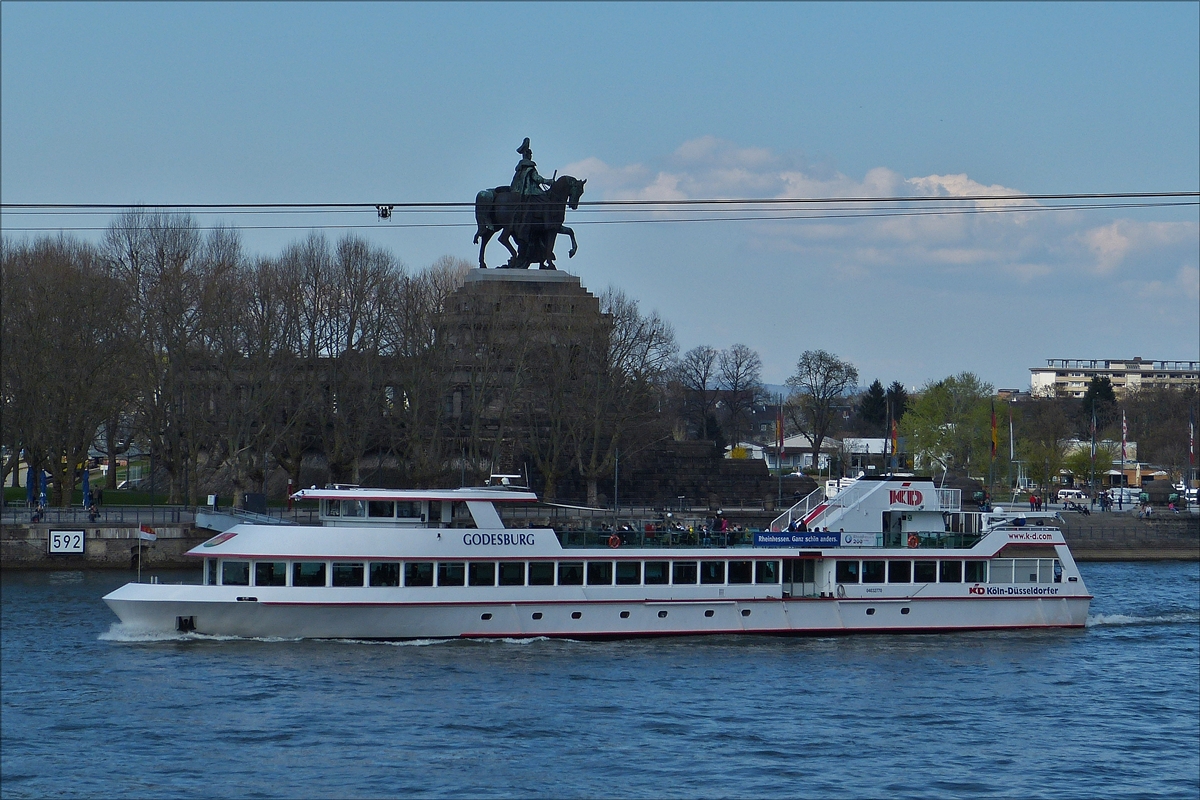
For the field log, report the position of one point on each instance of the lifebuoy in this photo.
(614, 541)
(841, 590)
(913, 541)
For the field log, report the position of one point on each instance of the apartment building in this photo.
(1069, 377)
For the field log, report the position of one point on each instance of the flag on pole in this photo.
(1011, 449)
(895, 438)
(1124, 436)
(146, 533)
(1191, 438)
(995, 442)
(779, 431)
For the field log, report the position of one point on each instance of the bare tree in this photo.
(60, 349)
(740, 381)
(696, 373)
(416, 413)
(620, 398)
(160, 258)
(820, 379)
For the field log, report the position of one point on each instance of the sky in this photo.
(179, 103)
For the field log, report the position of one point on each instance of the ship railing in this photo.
(934, 540)
(799, 511)
(950, 499)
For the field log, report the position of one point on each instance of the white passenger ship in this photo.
(884, 554)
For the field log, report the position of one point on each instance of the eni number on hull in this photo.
(892, 554)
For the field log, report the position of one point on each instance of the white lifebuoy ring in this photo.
(841, 591)
(614, 541)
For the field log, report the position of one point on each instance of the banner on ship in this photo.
(796, 539)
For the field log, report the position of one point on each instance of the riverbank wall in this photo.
(27, 546)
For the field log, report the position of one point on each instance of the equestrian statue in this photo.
(531, 210)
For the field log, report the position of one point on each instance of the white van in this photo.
(1072, 496)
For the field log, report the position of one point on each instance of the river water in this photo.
(1109, 711)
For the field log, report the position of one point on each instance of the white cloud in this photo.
(1034, 246)
(1112, 244)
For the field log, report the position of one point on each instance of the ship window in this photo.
(381, 508)
(662, 615)
(766, 572)
(406, 508)
(418, 573)
(270, 573)
(624, 615)
(1001, 570)
(899, 571)
(872, 571)
(924, 572)
(712, 571)
(656, 572)
(385, 573)
(211, 572)
(629, 573)
(599, 573)
(541, 573)
(512, 573)
(683, 572)
(235, 573)
(1046, 570)
(345, 574)
(354, 508)
(1025, 570)
(576, 614)
(708, 612)
(308, 573)
(847, 572)
(537, 615)
(739, 572)
(976, 572)
(333, 508)
(481, 573)
(451, 573)
(951, 572)
(570, 573)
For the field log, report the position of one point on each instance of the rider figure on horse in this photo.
(526, 179)
(529, 185)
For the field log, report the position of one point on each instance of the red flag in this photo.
(994, 429)
(147, 533)
(779, 433)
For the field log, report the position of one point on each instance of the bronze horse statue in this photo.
(534, 221)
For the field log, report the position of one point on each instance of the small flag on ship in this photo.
(146, 533)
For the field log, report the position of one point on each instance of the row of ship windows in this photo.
(1002, 570)
(489, 573)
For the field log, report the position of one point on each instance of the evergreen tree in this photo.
(1100, 398)
(872, 407)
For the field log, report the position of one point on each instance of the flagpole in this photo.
(1092, 480)
(779, 449)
